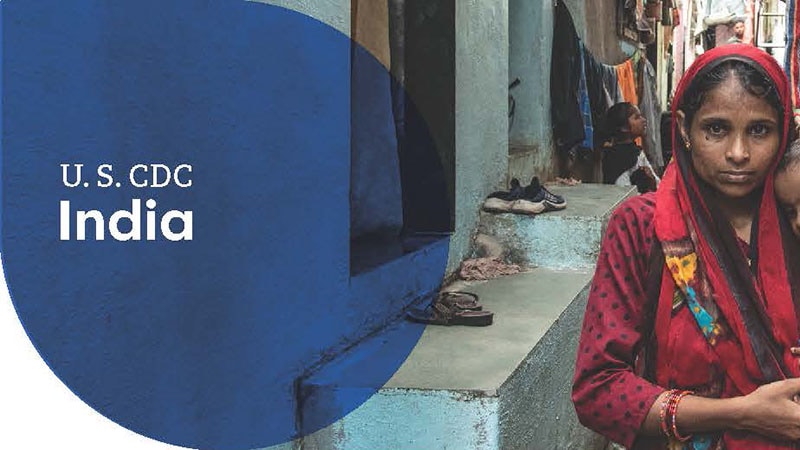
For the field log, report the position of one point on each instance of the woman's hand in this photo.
(771, 410)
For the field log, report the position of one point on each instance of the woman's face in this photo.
(734, 139)
(787, 189)
(636, 122)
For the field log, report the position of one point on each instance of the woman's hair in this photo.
(616, 121)
(753, 80)
(791, 158)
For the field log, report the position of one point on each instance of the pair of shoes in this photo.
(512, 201)
(529, 200)
(452, 308)
(538, 194)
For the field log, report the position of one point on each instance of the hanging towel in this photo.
(627, 82)
(627, 86)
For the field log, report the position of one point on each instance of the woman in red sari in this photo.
(691, 325)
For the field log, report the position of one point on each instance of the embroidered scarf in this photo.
(747, 315)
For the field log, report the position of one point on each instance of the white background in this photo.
(37, 411)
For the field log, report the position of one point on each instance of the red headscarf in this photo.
(749, 318)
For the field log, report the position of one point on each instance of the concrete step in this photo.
(506, 386)
(569, 238)
(502, 386)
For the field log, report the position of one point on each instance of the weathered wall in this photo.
(578, 10)
(430, 420)
(601, 32)
(481, 112)
(531, 149)
(530, 135)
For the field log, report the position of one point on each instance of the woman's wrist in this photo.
(699, 414)
(737, 412)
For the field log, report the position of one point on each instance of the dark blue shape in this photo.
(202, 343)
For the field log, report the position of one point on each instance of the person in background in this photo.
(787, 191)
(787, 186)
(689, 339)
(624, 162)
(738, 32)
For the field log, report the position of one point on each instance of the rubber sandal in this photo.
(461, 300)
(439, 314)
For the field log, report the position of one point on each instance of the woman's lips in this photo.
(736, 176)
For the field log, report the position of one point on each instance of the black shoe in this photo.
(515, 193)
(537, 193)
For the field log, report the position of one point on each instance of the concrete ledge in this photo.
(502, 386)
(559, 239)
(400, 419)
(546, 419)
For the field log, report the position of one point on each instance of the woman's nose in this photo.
(738, 152)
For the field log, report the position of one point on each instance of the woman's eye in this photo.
(760, 129)
(716, 129)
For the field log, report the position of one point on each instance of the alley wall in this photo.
(531, 148)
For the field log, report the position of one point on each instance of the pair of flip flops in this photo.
(452, 308)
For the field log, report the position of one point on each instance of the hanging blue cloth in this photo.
(792, 59)
(585, 105)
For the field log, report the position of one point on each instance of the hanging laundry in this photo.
(603, 90)
(598, 97)
(611, 85)
(632, 21)
(627, 82)
(565, 69)
(792, 59)
(586, 109)
(650, 106)
(627, 86)
(626, 17)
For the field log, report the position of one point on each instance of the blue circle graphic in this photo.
(179, 181)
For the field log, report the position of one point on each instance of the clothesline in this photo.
(582, 90)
